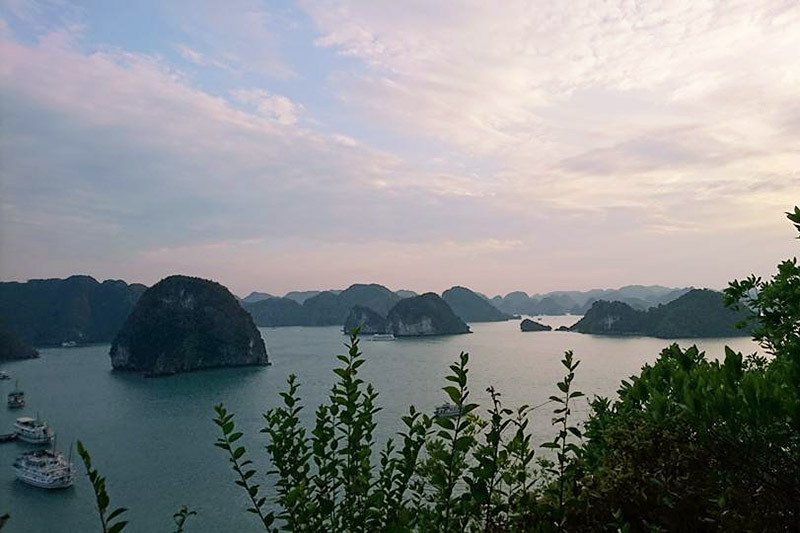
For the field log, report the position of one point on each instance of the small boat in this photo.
(8, 437)
(69, 344)
(382, 337)
(16, 398)
(44, 468)
(446, 410)
(4, 375)
(33, 430)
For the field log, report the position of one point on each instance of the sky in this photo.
(516, 145)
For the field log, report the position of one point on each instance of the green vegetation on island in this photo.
(639, 297)
(367, 321)
(182, 324)
(47, 312)
(470, 307)
(328, 308)
(12, 347)
(698, 313)
(424, 315)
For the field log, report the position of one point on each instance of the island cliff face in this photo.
(424, 315)
(698, 313)
(531, 325)
(365, 318)
(182, 324)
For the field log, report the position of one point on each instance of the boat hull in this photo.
(34, 440)
(61, 483)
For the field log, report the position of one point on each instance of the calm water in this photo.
(153, 438)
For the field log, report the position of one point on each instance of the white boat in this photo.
(69, 344)
(33, 430)
(446, 410)
(382, 337)
(4, 375)
(44, 468)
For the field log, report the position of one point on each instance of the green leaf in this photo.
(119, 526)
(115, 513)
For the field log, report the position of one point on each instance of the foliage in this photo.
(775, 304)
(695, 443)
(110, 522)
(445, 474)
(107, 521)
(181, 517)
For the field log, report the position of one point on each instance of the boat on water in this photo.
(16, 398)
(47, 469)
(446, 410)
(8, 437)
(69, 344)
(33, 430)
(382, 337)
(4, 375)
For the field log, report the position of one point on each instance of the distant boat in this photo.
(382, 337)
(46, 469)
(69, 344)
(446, 410)
(16, 398)
(4, 375)
(33, 430)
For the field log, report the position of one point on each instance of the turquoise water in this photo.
(153, 438)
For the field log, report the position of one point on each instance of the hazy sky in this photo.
(420, 144)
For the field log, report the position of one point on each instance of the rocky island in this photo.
(470, 307)
(327, 308)
(182, 324)
(698, 313)
(365, 318)
(532, 325)
(12, 347)
(47, 312)
(424, 315)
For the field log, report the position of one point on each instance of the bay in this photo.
(153, 438)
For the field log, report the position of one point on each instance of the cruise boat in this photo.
(44, 468)
(33, 430)
(382, 337)
(446, 410)
(16, 398)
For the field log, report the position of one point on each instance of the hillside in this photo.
(12, 347)
(698, 313)
(472, 307)
(328, 308)
(578, 302)
(182, 324)
(424, 315)
(79, 308)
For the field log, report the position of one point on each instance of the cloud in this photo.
(567, 98)
(241, 35)
(537, 146)
(273, 106)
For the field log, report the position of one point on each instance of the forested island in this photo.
(12, 347)
(48, 312)
(80, 309)
(698, 313)
(182, 324)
